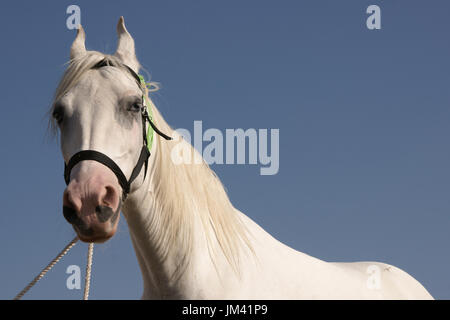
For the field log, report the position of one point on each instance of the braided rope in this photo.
(87, 279)
(47, 268)
(55, 261)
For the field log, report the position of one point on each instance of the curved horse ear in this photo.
(78, 48)
(125, 47)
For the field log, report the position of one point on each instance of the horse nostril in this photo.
(70, 214)
(109, 197)
(72, 217)
(103, 213)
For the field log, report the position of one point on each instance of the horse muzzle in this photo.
(99, 229)
(92, 203)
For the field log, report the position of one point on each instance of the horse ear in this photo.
(78, 48)
(125, 47)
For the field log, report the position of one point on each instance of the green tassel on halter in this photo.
(146, 87)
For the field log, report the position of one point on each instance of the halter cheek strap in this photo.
(145, 151)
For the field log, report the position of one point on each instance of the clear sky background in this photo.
(363, 118)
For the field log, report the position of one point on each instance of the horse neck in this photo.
(173, 236)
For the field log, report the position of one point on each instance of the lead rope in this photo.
(55, 261)
(87, 279)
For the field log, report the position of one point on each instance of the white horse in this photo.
(191, 243)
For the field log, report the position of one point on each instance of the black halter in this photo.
(107, 161)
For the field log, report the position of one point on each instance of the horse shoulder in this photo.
(378, 280)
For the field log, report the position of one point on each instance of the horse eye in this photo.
(58, 114)
(135, 106)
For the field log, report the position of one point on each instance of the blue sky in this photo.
(363, 118)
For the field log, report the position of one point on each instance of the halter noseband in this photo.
(107, 161)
